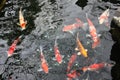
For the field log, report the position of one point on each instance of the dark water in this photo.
(46, 19)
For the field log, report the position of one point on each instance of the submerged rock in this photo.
(115, 32)
(116, 19)
(115, 26)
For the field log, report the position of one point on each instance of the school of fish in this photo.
(80, 47)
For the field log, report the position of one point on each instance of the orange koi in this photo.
(80, 47)
(96, 66)
(93, 33)
(44, 63)
(71, 61)
(104, 16)
(22, 23)
(70, 27)
(57, 53)
(13, 47)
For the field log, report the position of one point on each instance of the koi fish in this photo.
(80, 47)
(74, 74)
(70, 27)
(44, 63)
(22, 23)
(57, 53)
(13, 47)
(104, 16)
(71, 61)
(95, 67)
(93, 33)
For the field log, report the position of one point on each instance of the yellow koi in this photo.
(80, 47)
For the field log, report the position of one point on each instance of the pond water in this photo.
(45, 20)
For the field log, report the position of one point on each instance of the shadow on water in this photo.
(115, 56)
(82, 3)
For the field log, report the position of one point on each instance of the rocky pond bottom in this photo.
(45, 22)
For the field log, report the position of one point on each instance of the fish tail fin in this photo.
(9, 55)
(71, 32)
(41, 48)
(20, 36)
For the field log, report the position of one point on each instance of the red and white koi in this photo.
(57, 53)
(97, 66)
(13, 47)
(70, 27)
(93, 33)
(44, 64)
(71, 61)
(22, 23)
(104, 16)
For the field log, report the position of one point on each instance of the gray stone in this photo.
(116, 18)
